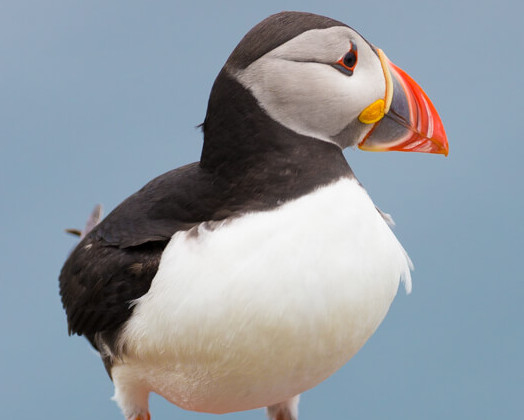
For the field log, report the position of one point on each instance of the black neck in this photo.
(244, 146)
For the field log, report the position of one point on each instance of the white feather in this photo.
(265, 306)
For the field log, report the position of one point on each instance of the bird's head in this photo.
(322, 79)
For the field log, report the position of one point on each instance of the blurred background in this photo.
(98, 97)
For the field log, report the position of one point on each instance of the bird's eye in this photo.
(347, 63)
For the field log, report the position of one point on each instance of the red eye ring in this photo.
(347, 63)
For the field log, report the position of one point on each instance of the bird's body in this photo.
(244, 279)
(238, 329)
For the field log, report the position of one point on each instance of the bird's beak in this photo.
(405, 120)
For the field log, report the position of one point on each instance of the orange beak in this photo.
(410, 122)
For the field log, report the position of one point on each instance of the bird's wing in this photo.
(116, 261)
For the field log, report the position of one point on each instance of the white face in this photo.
(297, 85)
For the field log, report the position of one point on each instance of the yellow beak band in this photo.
(376, 111)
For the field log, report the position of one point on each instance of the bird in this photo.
(246, 278)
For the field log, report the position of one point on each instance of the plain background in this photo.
(97, 97)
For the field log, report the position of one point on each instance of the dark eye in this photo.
(348, 61)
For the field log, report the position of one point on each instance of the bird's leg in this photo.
(131, 394)
(286, 410)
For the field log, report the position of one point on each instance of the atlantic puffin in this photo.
(244, 279)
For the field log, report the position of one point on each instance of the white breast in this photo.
(265, 306)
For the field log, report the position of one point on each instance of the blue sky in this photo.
(99, 97)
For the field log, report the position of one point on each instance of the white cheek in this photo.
(304, 97)
(309, 98)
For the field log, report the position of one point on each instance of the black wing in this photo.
(117, 260)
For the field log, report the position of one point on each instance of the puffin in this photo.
(246, 278)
